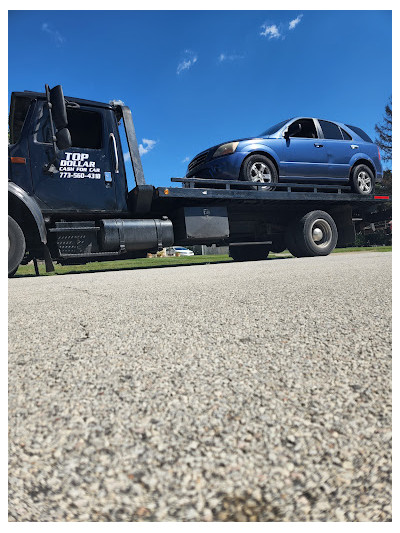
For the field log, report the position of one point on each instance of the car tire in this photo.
(16, 246)
(315, 234)
(249, 252)
(363, 180)
(259, 169)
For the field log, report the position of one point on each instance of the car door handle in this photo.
(354, 146)
(318, 145)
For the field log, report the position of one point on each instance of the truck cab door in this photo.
(85, 181)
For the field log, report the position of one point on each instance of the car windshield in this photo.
(273, 129)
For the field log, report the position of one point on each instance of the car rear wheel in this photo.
(16, 246)
(259, 169)
(363, 180)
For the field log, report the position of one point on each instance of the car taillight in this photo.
(379, 154)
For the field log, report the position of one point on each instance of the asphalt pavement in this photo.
(255, 391)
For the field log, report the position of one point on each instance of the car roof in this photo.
(341, 124)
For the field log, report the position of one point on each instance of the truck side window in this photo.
(17, 120)
(85, 127)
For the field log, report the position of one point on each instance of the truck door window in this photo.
(85, 127)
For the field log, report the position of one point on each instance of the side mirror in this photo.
(58, 107)
(58, 118)
(286, 134)
(63, 139)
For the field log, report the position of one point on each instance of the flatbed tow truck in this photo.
(69, 201)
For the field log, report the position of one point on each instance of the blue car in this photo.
(298, 150)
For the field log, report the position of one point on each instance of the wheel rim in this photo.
(321, 233)
(260, 173)
(364, 182)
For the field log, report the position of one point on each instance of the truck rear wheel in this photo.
(315, 234)
(249, 252)
(16, 246)
(290, 239)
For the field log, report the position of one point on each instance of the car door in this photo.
(84, 181)
(302, 154)
(339, 150)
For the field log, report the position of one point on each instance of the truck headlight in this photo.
(226, 149)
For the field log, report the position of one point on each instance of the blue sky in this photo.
(197, 78)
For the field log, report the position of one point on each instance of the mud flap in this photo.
(343, 217)
(47, 259)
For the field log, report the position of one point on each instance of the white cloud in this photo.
(229, 57)
(186, 159)
(189, 59)
(146, 145)
(293, 23)
(272, 32)
(55, 34)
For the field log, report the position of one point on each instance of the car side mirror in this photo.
(286, 134)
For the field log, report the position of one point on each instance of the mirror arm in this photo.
(49, 167)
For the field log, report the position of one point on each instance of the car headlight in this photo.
(226, 149)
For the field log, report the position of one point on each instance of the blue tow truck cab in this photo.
(69, 201)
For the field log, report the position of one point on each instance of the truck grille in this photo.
(198, 160)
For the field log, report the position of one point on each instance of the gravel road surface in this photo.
(250, 391)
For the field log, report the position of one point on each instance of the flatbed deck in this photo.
(201, 191)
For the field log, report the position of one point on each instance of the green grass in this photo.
(363, 249)
(156, 262)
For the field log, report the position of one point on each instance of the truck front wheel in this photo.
(16, 246)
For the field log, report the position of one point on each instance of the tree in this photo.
(384, 131)
(384, 141)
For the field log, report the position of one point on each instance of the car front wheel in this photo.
(259, 169)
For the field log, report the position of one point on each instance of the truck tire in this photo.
(363, 180)
(315, 234)
(260, 169)
(290, 239)
(249, 252)
(16, 246)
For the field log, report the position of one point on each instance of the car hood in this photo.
(236, 140)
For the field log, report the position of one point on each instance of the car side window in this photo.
(304, 128)
(330, 130)
(346, 136)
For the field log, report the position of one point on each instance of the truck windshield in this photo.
(273, 129)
